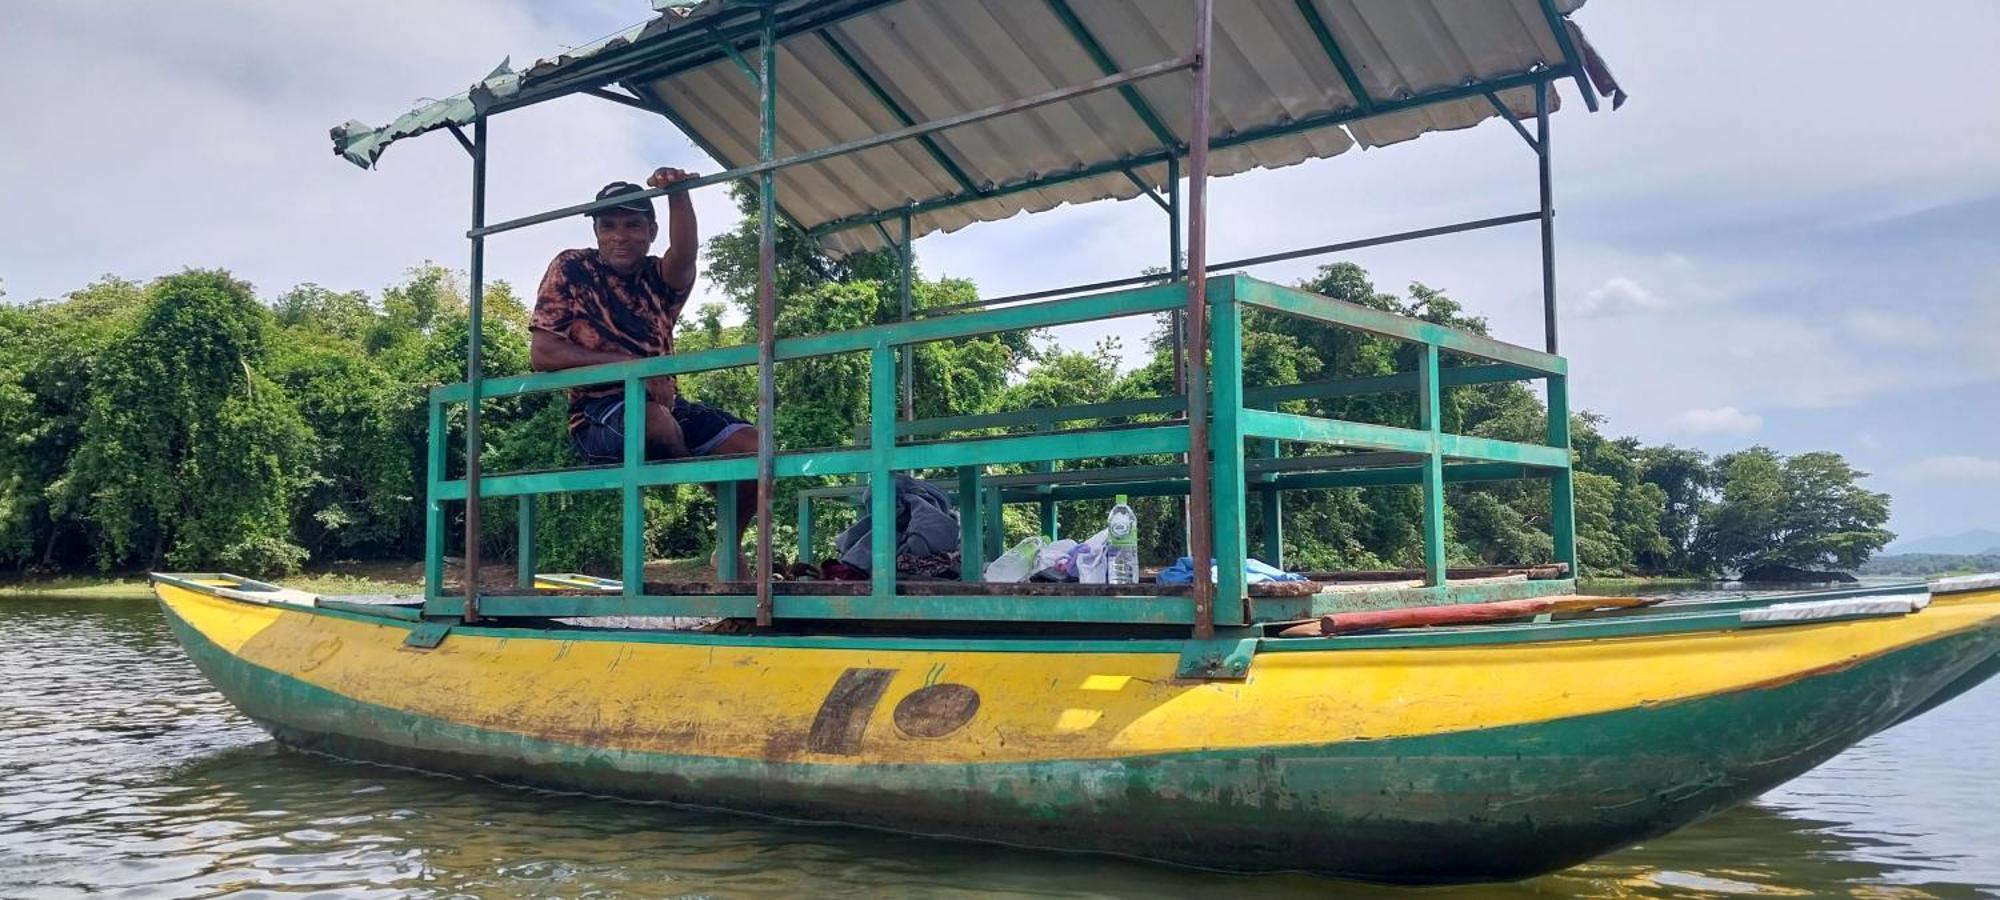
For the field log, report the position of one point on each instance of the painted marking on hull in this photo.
(843, 716)
(936, 710)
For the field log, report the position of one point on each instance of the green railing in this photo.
(1346, 454)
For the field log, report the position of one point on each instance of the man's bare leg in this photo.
(743, 441)
(663, 434)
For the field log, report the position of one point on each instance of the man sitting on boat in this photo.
(614, 303)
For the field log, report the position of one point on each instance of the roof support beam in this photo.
(729, 47)
(623, 99)
(1105, 64)
(1148, 189)
(1571, 59)
(471, 149)
(1326, 42)
(1508, 115)
(1249, 136)
(930, 145)
(888, 137)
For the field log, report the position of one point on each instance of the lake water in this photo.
(122, 772)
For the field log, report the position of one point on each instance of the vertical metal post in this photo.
(1430, 417)
(881, 476)
(1229, 491)
(1178, 317)
(1562, 487)
(1548, 214)
(1177, 320)
(971, 526)
(909, 366)
(524, 543)
(767, 303)
(1046, 507)
(996, 522)
(632, 539)
(726, 505)
(806, 529)
(1201, 537)
(1274, 514)
(474, 367)
(433, 507)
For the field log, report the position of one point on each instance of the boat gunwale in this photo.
(1663, 621)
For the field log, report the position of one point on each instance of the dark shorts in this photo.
(601, 439)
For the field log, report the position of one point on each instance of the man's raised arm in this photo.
(677, 265)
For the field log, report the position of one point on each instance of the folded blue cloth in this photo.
(1254, 571)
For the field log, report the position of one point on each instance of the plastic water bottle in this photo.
(1122, 544)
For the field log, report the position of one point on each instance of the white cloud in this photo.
(197, 136)
(1958, 468)
(1720, 420)
(1891, 330)
(1620, 296)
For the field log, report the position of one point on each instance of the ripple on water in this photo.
(122, 772)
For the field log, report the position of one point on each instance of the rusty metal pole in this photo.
(1201, 511)
(767, 305)
(474, 367)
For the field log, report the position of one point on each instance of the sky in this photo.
(1787, 237)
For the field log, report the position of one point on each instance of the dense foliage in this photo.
(185, 424)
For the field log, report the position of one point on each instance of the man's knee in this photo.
(743, 440)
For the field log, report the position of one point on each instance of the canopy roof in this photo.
(1292, 80)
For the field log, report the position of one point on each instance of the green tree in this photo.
(190, 455)
(1805, 511)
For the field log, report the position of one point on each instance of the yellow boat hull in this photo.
(1419, 763)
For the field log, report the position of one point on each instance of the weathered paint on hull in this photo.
(1456, 804)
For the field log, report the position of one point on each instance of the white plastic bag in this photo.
(1016, 564)
(1089, 561)
(1053, 558)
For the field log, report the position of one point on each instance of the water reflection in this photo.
(121, 771)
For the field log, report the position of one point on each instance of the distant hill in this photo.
(1978, 540)
(1930, 564)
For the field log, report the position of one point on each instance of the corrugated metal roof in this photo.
(851, 77)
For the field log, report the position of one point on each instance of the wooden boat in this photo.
(1177, 724)
(1486, 752)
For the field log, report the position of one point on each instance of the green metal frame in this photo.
(1430, 458)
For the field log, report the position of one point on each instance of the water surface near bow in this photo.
(121, 771)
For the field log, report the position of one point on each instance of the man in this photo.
(615, 303)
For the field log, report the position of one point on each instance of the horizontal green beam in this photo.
(1043, 415)
(1456, 376)
(1294, 301)
(987, 451)
(1292, 481)
(1258, 423)
(677, 364)
(1461, 446)
(1109, 305)
(1042, 447)
(1311, 390)
(655, 474)
(949, 607)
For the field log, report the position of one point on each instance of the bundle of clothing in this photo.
(926, 534)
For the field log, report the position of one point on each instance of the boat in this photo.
(1425, 726)
(1478, 753)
